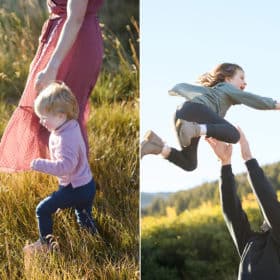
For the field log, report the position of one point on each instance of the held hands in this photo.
(222, 150)
(44, 77)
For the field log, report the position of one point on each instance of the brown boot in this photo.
(30, 250)
(152, 144)
(186, 131)
(36, 247)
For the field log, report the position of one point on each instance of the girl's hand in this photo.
(222, 150)
(44, 77)
(172, 93)
(277, 106)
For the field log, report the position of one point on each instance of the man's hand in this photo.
(244, 145)
(222, 150)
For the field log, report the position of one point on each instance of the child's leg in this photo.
(187, 157)
(63, 198)
(85, 219)
(217, 127)
(83, 208)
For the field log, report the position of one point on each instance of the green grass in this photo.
(113, 131)
(196, 241)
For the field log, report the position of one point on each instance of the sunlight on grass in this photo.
(113, 131)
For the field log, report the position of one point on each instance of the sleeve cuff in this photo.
(252, 164)
(226, 170)
(37, 165)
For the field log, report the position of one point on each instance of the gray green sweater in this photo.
(220, 97)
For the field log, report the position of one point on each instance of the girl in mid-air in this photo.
(203, 114)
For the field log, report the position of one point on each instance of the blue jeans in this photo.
(81, 199)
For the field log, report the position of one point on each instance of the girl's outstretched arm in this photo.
(255, 101)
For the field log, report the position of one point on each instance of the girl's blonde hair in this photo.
(218, 74)
(56, 98)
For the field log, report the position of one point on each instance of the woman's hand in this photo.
(44, 77)
(76, 11)
(222, 150)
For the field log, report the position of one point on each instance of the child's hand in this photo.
(33, 163)
(277, 106)
(172, 93)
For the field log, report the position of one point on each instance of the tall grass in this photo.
(113, 137)
(119, 79)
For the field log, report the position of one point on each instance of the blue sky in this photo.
(180, 41)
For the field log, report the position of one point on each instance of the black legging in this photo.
(217, 127)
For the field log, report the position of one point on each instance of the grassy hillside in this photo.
(194, 197)
(192, 245)
(113, 137)
(185, 236)
(148, 198)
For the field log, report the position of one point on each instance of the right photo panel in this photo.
(209, 138)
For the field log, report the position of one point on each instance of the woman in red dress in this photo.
(70, 49)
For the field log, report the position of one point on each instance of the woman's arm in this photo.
(76, 10)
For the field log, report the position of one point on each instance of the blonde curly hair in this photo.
(56, 98)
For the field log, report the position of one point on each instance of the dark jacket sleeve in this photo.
(266, 197)
(236, 219)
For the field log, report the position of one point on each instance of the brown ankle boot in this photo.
(37, 246)
(186, 131)
(152, 144)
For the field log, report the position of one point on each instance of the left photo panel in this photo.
(69, 130)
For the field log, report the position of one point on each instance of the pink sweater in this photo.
(68, 156)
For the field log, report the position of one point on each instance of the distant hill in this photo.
(148, 198)
(194, 197)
